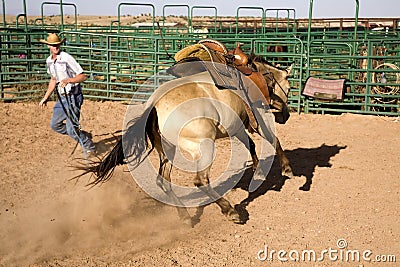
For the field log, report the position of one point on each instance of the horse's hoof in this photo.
(288, 174)
(235, 217)
(188, 222)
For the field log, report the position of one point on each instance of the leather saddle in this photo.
(226, 74)
(223, 74)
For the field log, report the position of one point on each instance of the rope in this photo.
(394, 89)
(163, 41)
(73, 119)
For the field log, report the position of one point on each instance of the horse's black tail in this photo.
(104, 169)
(129, 149)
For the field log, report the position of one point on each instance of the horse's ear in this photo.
(289, 69)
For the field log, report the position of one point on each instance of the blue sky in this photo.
(322, 8)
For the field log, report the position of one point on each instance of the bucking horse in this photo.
(207, 99)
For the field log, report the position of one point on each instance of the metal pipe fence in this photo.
(119, 59)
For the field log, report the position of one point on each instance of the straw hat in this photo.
(53, 39)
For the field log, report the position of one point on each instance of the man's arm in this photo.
(50, 89)
(81, 77)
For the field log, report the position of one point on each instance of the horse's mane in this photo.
(256, 58)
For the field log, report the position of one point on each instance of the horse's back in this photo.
(193, 108)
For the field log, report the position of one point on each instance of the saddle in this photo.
(225, 74)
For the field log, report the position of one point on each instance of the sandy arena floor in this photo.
(352, 205)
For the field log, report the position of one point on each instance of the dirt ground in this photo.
(350, 209)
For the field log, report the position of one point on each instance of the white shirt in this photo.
(65, 66)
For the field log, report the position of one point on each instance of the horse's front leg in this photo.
(283, 160)
(253, 153)
(250, 145)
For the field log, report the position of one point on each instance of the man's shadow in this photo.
(303, 162)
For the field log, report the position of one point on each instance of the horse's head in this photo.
(278, 86)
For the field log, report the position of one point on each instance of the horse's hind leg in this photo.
(203, 183)
(164, 178)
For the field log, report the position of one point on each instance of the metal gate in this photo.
(119, 59)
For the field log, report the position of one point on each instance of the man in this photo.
(66, 76)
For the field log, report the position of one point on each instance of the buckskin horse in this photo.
(188, 114)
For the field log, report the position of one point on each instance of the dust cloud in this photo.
(85, 221)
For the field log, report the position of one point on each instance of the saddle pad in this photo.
(324, 89)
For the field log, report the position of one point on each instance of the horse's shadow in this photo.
(303, 162)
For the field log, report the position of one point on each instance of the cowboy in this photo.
(66, 76)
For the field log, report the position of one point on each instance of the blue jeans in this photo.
(63, 124)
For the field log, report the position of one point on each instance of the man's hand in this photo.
(64, 82)
(43, 103)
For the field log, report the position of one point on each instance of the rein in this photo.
(271, 77)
